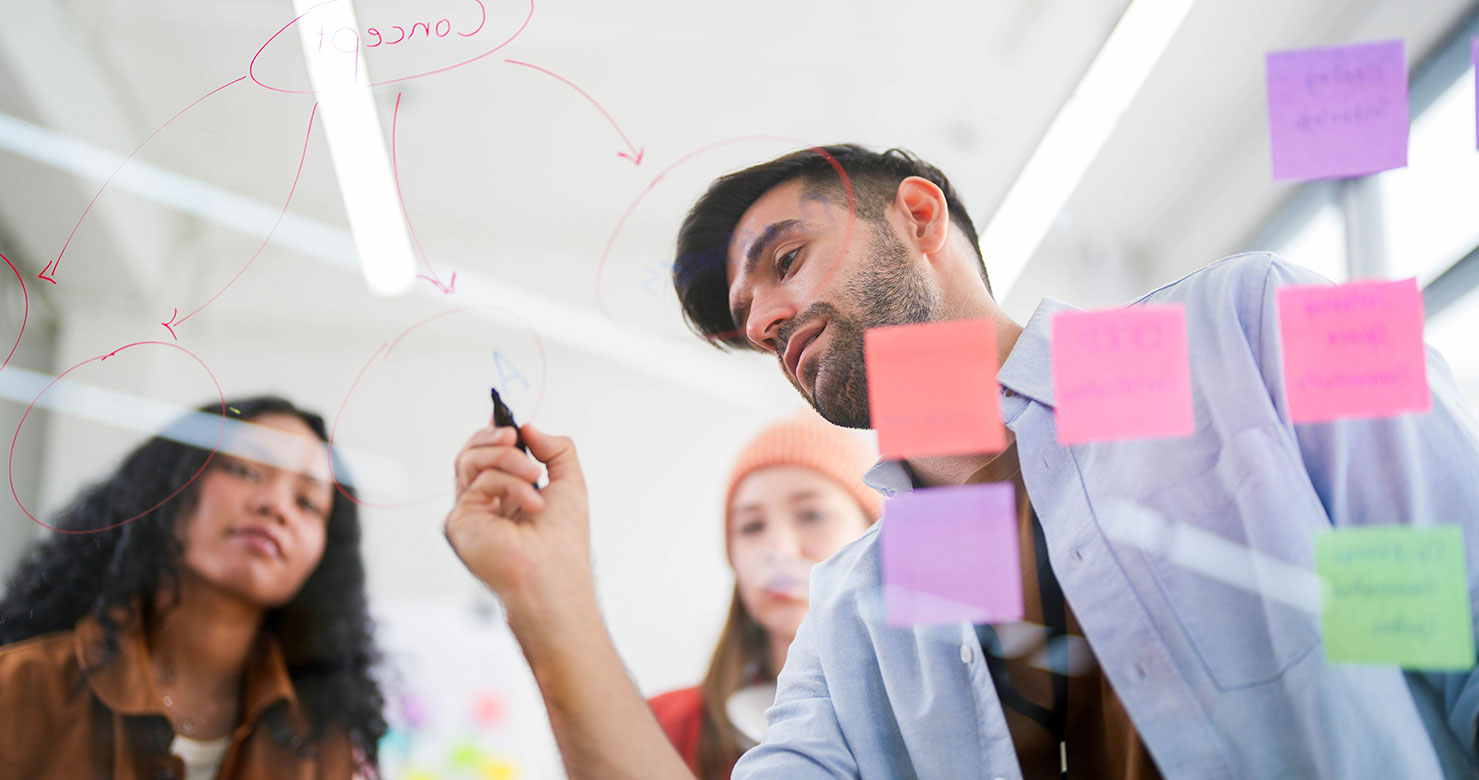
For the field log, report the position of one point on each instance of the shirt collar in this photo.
(125, 683)
(1027, 372)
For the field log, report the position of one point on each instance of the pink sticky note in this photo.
(1122, 374)
(950, 554)
(1355, 350)
(932, 389)
(1338, 111)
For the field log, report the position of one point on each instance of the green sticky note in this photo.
(1396, 595)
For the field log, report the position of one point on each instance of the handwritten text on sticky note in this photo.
(1396, 595)
(932, 389)
(1338, 111)
(950, 554)
(1355, 350)
(1122, 373)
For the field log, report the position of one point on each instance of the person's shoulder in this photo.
(677, 703)
(837, 582)
(1240, 279)
(38, 658)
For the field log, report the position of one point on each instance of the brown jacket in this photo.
(58, 722)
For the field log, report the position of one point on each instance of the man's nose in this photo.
(766, 319)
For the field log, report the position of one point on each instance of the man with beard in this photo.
(1132, 661)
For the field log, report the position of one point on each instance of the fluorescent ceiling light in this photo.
(1076, 136)
(686, 362)
(361, 163)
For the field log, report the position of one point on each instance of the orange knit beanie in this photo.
(809, 442)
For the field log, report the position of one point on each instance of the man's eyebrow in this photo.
(767, 236)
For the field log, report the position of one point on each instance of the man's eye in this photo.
(784, 262)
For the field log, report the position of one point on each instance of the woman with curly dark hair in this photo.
(221, 632)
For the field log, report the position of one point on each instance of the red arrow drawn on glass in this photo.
(632, 154)
(431, 274)
(175, 319)
(49, 272)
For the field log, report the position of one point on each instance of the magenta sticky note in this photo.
(1353, 350)
(932, 388)
(1121, 374)
(950, 554)
(1338, 111)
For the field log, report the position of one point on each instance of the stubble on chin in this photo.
(888, 291)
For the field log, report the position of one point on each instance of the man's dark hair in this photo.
(699, 272)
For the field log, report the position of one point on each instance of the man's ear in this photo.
(925, 215)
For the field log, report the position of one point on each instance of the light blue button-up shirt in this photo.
(1188, 562)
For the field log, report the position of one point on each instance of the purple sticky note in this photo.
(950, 554)
(1354, 350)
(1338, 111)
(1122, 374)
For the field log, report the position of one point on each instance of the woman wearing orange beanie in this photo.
(795, 497)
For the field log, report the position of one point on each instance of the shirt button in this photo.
(1006, 391)
(967, 654)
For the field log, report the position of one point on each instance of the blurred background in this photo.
(238, 251)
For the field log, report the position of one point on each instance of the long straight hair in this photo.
(741, 657)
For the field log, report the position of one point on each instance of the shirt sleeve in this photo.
(1417, 469)
(803, 738)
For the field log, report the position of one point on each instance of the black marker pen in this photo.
(502, 416)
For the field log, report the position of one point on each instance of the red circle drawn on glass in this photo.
(25, 312)
(847, 237)
(10, 464)
(383, 353)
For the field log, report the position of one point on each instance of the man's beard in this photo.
(887, 291)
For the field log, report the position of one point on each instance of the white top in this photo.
(746, 709)
(202, 757)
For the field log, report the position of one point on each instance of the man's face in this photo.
(804, 290)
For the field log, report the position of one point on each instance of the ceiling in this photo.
(512, 178)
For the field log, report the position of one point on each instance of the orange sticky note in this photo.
(932, 389)
(1122, 374)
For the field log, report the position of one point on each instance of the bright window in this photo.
(1431, 207)
(1319, 244)
(1452, 331)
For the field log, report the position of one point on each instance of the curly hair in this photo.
(325, 631)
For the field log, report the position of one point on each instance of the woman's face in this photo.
(782, 520)
(261, 514)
